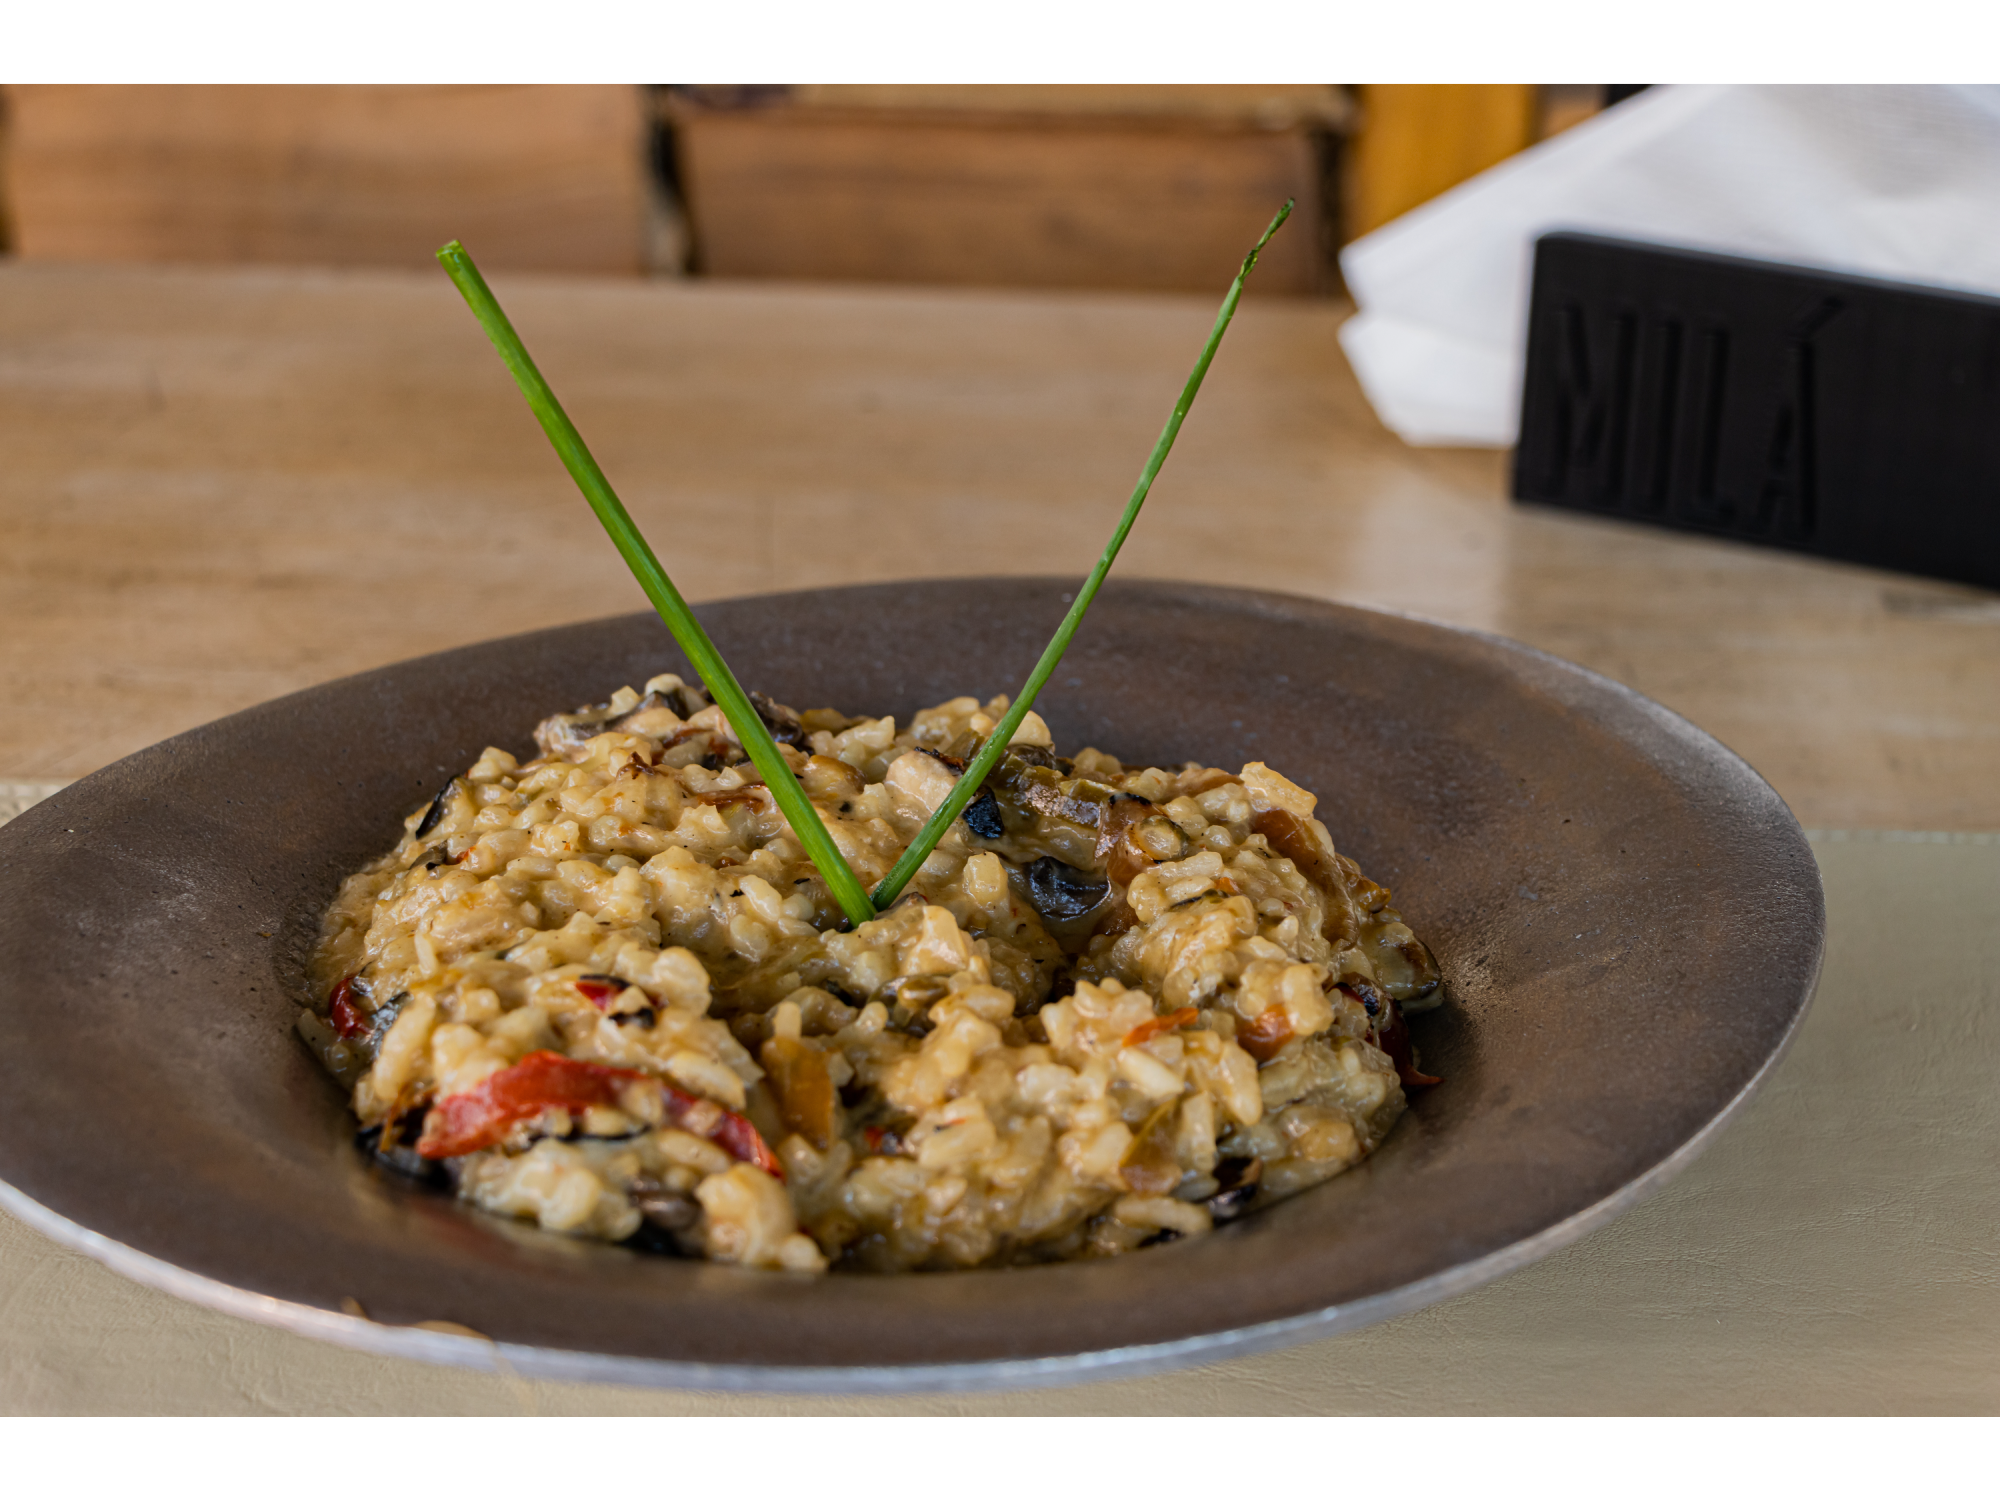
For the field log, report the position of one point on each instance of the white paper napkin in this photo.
(1893, 181)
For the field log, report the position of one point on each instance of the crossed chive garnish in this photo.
(855, 900)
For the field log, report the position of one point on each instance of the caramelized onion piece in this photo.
(1266, 1036)
(1290, 835)
(1118, 848)
(1173, 1020)
(1151, 1164)
(806, 1096)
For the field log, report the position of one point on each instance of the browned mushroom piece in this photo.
(687, 700)
(561, 736)
(1068, 900)
(663, 1206)
(434, 814)
(982, 815)
(1027, 783)
(1404, 967)
(1290, 835)
(653, 714)
(783, 723)
(667, 1219)
(1367, 895)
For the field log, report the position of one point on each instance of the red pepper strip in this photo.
(1173, 1020)
(599, 992)
(740, 1139)
(349, 1019)
(480, 1117)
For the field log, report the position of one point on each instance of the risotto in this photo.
(605, 991)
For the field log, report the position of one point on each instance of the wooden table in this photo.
(220, 486)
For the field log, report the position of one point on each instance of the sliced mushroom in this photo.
(1028, 783)
(1068, 900)
(563, 736)
(781, 721)
(393, 1143)
(663, 1205)
(1293, 837)
(434, 814)
(1290, 835)
(1404, 967)
(982, 815)
(1237, 1178)
(665, 1216)
(688, 699)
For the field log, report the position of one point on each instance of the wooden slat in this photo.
(1165, 203)
(543, 178)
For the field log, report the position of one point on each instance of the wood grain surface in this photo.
(549, 177)
(1000, 199)
(221, 486)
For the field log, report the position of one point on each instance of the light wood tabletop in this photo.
(218, 486)
(221, 486)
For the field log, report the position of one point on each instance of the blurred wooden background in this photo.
(1141, 187)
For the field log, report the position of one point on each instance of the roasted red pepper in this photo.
(599, 989)
(478, 1118)
(348, 1018)
(735, 1135)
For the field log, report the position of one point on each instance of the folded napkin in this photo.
(1892, 181)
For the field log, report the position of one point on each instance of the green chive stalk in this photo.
(989, 754)
(722, 685)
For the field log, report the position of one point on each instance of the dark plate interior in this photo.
(1628, 918)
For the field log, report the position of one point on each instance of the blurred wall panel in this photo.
(1159, 189)
(530, 177)
(1414, 140)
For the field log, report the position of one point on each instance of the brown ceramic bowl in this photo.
(1628, 919)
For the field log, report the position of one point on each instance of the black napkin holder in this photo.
(1838, 415)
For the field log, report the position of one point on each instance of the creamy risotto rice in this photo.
(605, 991)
